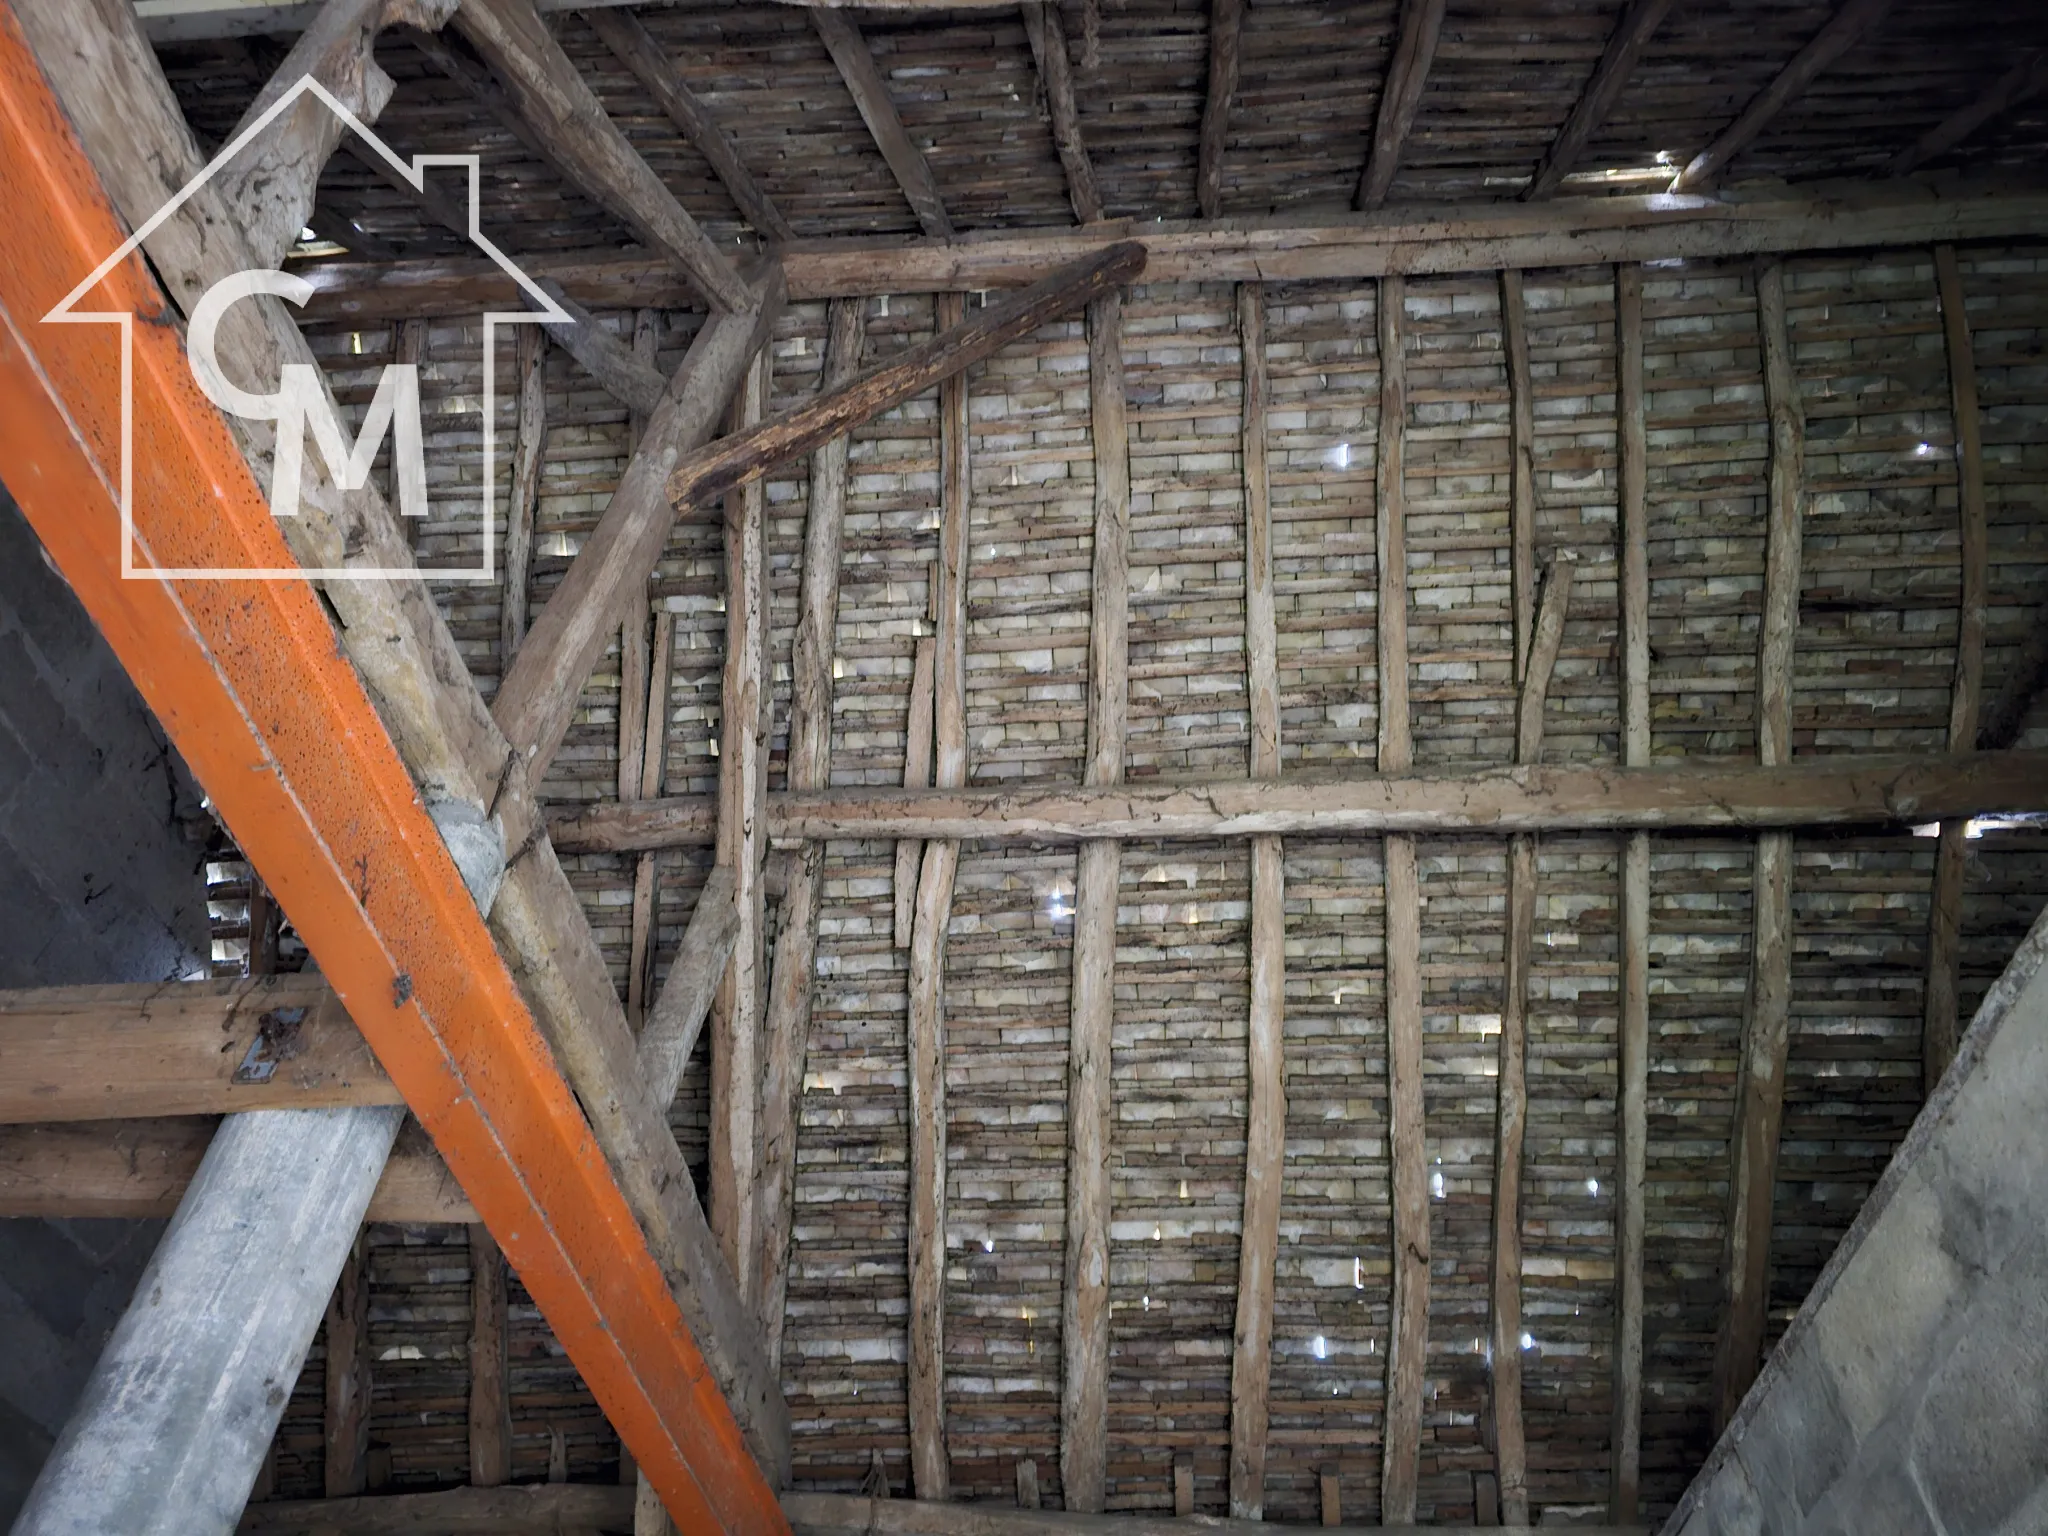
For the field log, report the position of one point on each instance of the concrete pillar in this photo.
(171, 1430)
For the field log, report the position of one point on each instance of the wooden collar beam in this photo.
(1811, 792)
(1554, 232)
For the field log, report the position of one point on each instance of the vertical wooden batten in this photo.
(1942, 1020)
(1226, 34)
(1537, 638)
(1510, 1451)
(1266, 1119)
(347, 1392)
(1760, 1085)
(929, 1470)
(490, 1402)
(742, 843)
(1409, 1332)
(1633, 1046)
(1084, 1381)
(529, 450)
(810, 767)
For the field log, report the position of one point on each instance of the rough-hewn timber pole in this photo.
(1084, 1326)
(1760, 1086)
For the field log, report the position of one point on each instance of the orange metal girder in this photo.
(249, 680)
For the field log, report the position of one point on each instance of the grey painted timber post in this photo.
(171, 1430)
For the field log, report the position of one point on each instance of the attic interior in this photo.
(1087, 766)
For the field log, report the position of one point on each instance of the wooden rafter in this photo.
(1633, 1037)
(870, 92)
(272, 182)
(1760, 1084)
(652, 764)
(1048, 37)
(742, 846)
(788, 1019)
(2025, 681)
(1085, 1305)
(564, 112)
(1843, 30)
(1400, 98)
(403, 653)
(622, 31)
(929, 1463)
(1632, 33)
(1226, 38)
(1941, 1021)
(1266, 1071)
(2025, 80)
(1408, 1339)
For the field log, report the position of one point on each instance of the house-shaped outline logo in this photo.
(545, 309)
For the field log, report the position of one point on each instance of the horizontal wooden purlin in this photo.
(1552, 233)
(138, 1168)
(182, 1048)
(1814, 792)
(549, 1508)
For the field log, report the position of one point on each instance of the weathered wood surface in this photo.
(604, 357)
(1226, 36)
(622, 31)
(136, 1168)
(537, 698)
(650, 760)
(1266, 1118)
(746, 455)
(1553, 232)
(345, 1383)
(917, 774)
(1048, 37)
(563, 1509)
(1830, 791)
(870, 92)
(490, 1401)
(931, 1472)
(1509, 1444)
(745, 701)
(1632, 1045)
(1760, 1086)
(564, 112)
(1084, 1304)
(1625, 44)
(529, 450)
(273, 179)
(2025, 80)
(541, 1509)
(1408, 1319)
(181, 1048)
(787, 1025)
(1400, 97)
(1843, 30)
(1514, 325)
(1941, 1021)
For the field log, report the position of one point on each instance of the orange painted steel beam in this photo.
(250, 681)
